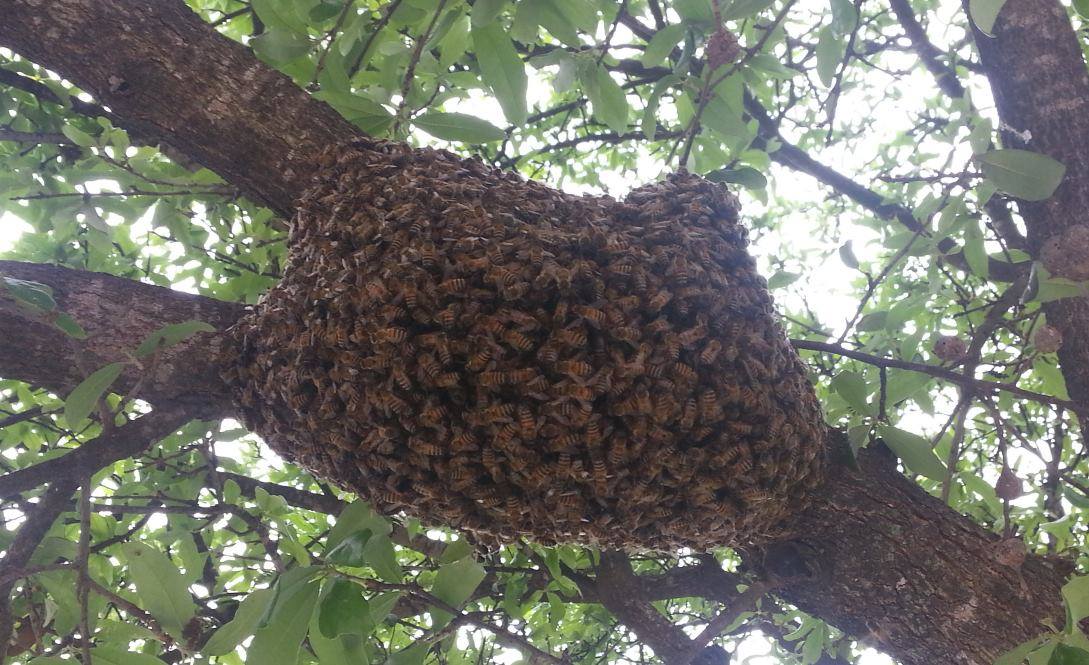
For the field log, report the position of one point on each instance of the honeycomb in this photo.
(487, 353)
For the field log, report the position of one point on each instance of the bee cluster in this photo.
(491, 354)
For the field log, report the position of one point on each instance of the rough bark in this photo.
(1041, 87)
(880, 558)
(117, 314)
(171, 77)
(891, 564)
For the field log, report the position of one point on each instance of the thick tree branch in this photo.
(117, 314)
(116, 444)
(1041, 87)
(267, 128)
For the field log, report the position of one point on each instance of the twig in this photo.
(935, 371)
(332, 37)
(83, 574)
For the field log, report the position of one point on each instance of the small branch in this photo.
(30, 534)
(933, 370)
(96, 454)
(33, 137)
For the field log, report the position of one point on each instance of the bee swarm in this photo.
(491, 354)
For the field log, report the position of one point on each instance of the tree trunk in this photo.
(878, 557)
(1041, 87)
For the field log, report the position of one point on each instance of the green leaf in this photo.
(380, 555)
(343, 650)
(769, 64)
(747, 177)
(984, 13)
(502, 70)
(1031, 176)
(1017, 655)
(781, 279)
(279, 47)
(844, 17)
(564, 18)
(650, 114)
(70, 326)
(914, 450)
(610, 104)
(1068, 655)
(851, 386)
(847, 255)
(78, 136)
(161, 587)
(1082, 8)
(277, 642)
(83, 398)
(830, 50)
(454, 584)
(343, 610)
(660, 45)
(902, 384)
(245, 621)
(279, 14)
(458, 127)
(1076, 596)
(975, 253)
(110, 656)
(171, 334)
(32, 294)
(744, 8)
(49, 660)
(486, 11)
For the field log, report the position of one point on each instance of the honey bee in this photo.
(660, 300)
(626, 334)
(479, 359)
(399, 377)
(428, 255)
(393, 335)
(464, 441)
(576, 391)
(452, 286)
(411, 296)
(684, 373)
(518, 340)
(425, 447)
(429, 367)
(573, 337)
(600, 475)
(710, 352)
(448, 316)
(492, 379)
(549, 353)
(376, 290)
(689, 337)
(492, 325)
(688, 417)
(447, 380)
(506, 433)
(499, 412)
(376, 363)
(565, 444)
(710, 408)
(574, 368)
(527, 422)
(596, 317)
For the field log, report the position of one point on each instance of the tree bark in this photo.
(117, 314)
(171, 77)
(1041, 88)
(877, 557)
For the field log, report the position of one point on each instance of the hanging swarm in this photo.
(488, 353)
